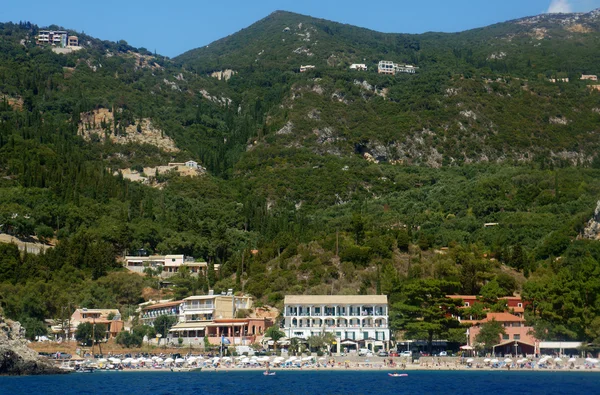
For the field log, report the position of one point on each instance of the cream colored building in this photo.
(196, 313)
(356, 320)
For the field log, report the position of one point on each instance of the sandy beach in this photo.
(356, 364)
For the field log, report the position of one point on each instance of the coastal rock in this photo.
(15, 357)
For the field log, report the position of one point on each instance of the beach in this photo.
(337, 363)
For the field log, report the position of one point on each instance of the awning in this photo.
(561, 345)
(188, 326)
(512, 342)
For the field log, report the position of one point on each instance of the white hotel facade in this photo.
(355, 320)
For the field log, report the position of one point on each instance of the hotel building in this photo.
(356, 320)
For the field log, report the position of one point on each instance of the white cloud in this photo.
(560, 6)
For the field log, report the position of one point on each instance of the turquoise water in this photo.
(305, 382)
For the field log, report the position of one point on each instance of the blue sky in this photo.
(173, 27)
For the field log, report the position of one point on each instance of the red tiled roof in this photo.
(502, 317)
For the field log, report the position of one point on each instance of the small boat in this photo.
(188, 369)
(85, 369)
(267, 373)
(397, 374)
(67, 367)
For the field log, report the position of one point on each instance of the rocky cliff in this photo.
(15, 357)
(592, 229)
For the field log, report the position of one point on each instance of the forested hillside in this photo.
(344, 181)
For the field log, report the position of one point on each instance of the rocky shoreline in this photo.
(16, 358)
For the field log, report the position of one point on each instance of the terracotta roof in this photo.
(335, 299)
(502, 317)
(476, 296)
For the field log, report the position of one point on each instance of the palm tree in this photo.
(275, 334)
(315, 342)
(329, 338)
(295, 345)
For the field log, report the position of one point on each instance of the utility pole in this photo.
(93, 334)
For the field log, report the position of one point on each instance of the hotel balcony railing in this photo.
(352, 314)
(340, 326)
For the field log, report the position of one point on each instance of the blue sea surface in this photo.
(305, 382)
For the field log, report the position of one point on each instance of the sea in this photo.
(305, 382)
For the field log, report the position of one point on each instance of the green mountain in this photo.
(345, 181)
(479, 96)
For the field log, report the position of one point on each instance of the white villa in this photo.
(356, 320)
(358, 66)
(168, 264)
(389, 67)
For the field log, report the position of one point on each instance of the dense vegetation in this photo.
(470, 139)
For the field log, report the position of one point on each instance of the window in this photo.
(517, 337)
(505, 337)
(520, 304)
(467, 304)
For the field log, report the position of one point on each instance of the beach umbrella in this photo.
(159, 360)
(322, 359)
(127, 360)
(557, 360)
(494, 360)
(226, 358)
(487, 360)
(591, 360)
(573, 360)
(192, 359)
(102, 360)
(470, 360)
(306, 359)
(135, 361)
(169, 360)
(245, 360)
(508, 360)
(466, 347)
(179, 360)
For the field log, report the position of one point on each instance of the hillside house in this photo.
(304, 69)
(150, 312)
(191, 164)
(386, 67)
(391, 68)
(109, 317)
(169, 265)
(589, 77)
(73, 41)
(52, 37)
(515, 304)
(358, 66)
